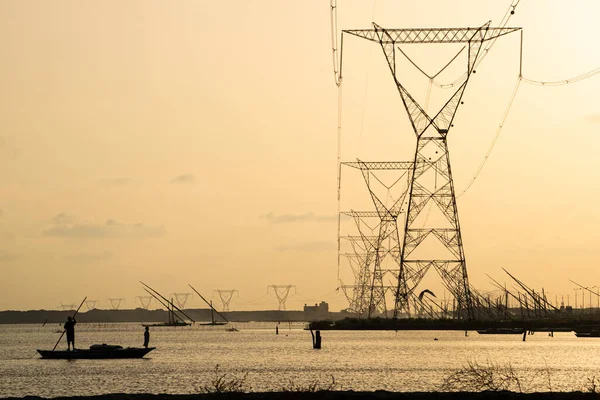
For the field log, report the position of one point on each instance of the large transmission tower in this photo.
(431, 181)
(281, 292)
(226, 296)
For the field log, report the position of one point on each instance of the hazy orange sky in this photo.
(181, 142)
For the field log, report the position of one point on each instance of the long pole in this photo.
(170, 310)
(64, 330)
(167, 301)
(210, 305)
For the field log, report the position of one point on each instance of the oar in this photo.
(64, 330)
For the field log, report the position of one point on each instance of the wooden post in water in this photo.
(276, 330)
(316, 338)
(524, 334)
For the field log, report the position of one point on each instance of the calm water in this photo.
(185, 359)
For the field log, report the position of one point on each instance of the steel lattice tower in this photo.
(226, 296)
(432, 158)
(181, 298)
(145, 301)
(90, 304)
(372, 251)
(115, 303)
(281, 292)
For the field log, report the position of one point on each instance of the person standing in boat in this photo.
(70, 329)
(146, 337)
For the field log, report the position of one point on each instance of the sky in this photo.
(195, 142)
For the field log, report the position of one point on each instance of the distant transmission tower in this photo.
(431, 181)
(145, 301)
(68, 307)
(377, 255)
(181, 298)
(91, 304)
(115, 303)
(226, 296)
(281, 292)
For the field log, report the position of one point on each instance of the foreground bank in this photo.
(334, 395)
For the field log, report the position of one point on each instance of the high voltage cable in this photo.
(334, 43)
(493, 143)
(507, 15)
(575, 79)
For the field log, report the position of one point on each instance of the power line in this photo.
(575, 79)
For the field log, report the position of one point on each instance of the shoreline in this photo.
(328, 395)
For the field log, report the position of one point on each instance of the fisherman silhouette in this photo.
(70, 329)
(146, 337)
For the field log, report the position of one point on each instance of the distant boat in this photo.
(213, 323)
(213, 310)
(173, 311)
(173, 319)
(587, 331)
(97, 351)
(501, 331)
(173, 323)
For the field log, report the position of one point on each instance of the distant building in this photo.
(318, 312)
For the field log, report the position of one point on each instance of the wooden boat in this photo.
(501, 331)
(172, 323)
(213, 321)
(176, 315)
(587, 331)
(97, 351)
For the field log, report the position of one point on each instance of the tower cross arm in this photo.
(380, 165)
(429, 35)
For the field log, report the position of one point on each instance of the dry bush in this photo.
(311, 387)
(476, 377)
(592, 385)
(224, 383)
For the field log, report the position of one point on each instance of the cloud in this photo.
(595, 118)
(184, 179)
(64, 219)
(309, 247)
(7, 257)
(1, 212)
(110, 229)
(119, 181)
(287, 218)
(89, 258)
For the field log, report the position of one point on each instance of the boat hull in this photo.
(587, 334)
(129, 352)
(501, 331)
